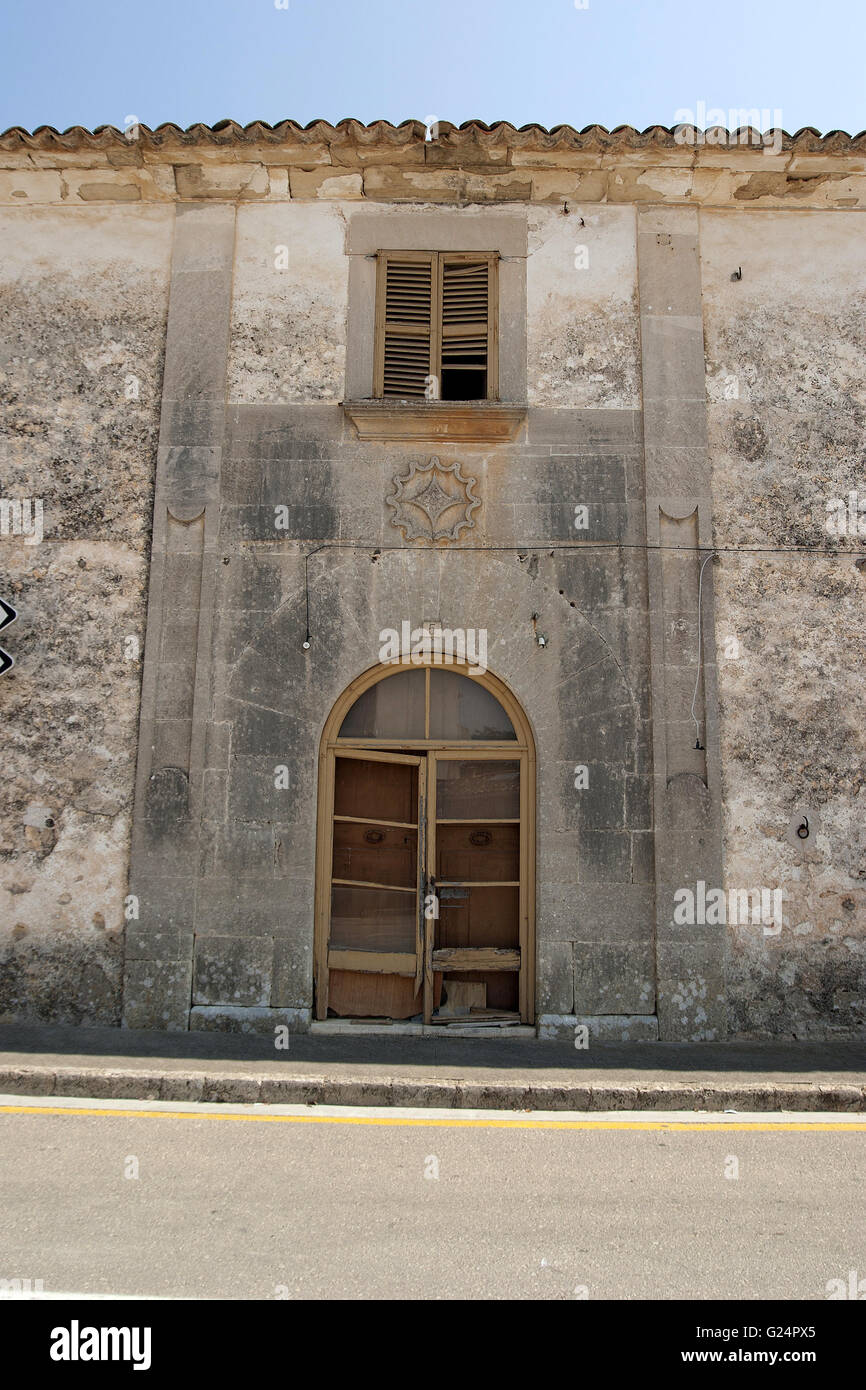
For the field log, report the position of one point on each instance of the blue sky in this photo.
(92, 62)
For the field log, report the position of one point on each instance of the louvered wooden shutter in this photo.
(465, 315)
(436, 312)
(406, 313)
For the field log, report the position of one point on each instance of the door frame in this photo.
(521, 749)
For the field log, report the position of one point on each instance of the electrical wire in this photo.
(578, 546)
(591, 545)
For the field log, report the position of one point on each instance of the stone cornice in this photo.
(466, 165)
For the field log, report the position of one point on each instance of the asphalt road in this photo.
(265, 1202)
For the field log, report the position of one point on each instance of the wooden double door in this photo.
(425, 885)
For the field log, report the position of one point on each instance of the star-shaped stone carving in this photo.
(433, 501)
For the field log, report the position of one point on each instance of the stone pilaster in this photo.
(176, 676)
(687, 791)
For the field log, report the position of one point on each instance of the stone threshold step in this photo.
(343, 1027)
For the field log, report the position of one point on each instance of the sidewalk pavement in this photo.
(466, 1073)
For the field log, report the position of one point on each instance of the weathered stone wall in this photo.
(289, 306)
(583, 347)
(586, 693)
(269, 329)
(786, 373)
(83, 297)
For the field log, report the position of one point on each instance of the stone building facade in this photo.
(652, 515)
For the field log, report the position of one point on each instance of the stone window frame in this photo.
(467, 230)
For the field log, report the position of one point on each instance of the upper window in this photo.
(437, 326)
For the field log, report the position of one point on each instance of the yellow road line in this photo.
(760, 1126)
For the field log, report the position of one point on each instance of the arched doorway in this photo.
(425, 877)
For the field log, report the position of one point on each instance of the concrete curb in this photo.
(99, 1083)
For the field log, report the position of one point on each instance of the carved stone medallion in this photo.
(433, 501)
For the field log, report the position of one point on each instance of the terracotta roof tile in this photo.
(227, 133)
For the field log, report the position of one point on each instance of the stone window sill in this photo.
(466, 422)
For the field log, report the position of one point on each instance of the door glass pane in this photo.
(394, 708)
(478, 790)
(375, 854)
(461, 708)
(480, 853)
(372, 919)
(376, 790)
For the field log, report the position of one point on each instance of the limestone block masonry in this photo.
(682, 349)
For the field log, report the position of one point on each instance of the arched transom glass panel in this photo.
(428, 704)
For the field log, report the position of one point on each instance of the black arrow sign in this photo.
(7, 615)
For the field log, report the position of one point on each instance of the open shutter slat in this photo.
(465, 318)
